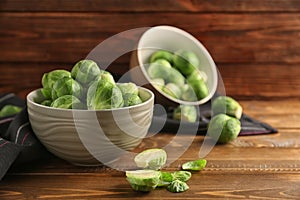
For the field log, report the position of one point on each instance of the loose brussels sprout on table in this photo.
(151, 159)
(180, 69)
(86, 87)
(227, 105)
(9, 110)
(178, 186)
(143, 180)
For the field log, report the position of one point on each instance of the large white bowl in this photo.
(86, 137)
(172, 39)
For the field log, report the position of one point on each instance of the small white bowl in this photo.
(87, 137)
(171, 39)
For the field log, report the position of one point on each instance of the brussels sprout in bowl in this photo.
(174, 56)
(88, 137)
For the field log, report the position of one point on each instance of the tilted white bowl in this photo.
(87, 137)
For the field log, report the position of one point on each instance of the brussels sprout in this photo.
(151, 159)
(103, 94)
(143, 180)
(50, 78)
(85, 71)
(131, 99)
(182, 175)
(67, 102)
(165, 179)
(175, 76)
(185, 61)
(197, 82)
(130, 88)
(185, 113)
(188, 93)
(178, 186)
(172, 90)
(66, 86)
(9, 110)
(159, 69)
(46, 102)
(161, 54)
(105, 76)
(228, 126)
(158, 83)
(195, 165)
(227, 105)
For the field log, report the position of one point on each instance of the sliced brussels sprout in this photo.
(103, 94)
(182, 175)
(46, 102)
(185, 113)
(223, 128)
(66, 86)
(165, 179)
(67, 102)
(85, 71)
(177, 186)
(50, 78)
(143, 180)
(172, 90)
(130, 88)
(159, 69)
(151, 159)
(131, 99)
(186, 61)
(197, 82)
(195, 165)
(227, 105)
(9, 110)
(161, 54)
(188, 93)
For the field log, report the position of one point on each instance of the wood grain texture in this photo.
(150, 6)
(230, 38)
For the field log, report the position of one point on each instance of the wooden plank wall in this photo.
(255, 44)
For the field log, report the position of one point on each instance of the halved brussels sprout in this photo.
(173, 90)
(66, 86)
(182, 175)
(151, 159)
(67, 102)
(195, 165)
(178, 186)
(130, 88)
(185, 113)
(197, 82)
(131, 99)
(143, 180)
(223, 128)
(9, 110)
(103, 94)
(186, 61)
(227, 105)
(50, 78)
(165, 179)
(85, 71)
(161, 54)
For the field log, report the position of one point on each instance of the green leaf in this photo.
(195, 165)
(178, 186)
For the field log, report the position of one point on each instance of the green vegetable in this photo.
(159, 69)
(186, 61)
(46, 102)
(151, 159)
(131, 99)
(103, 94)
(161, 54)
(143, 180)
(173, 90)
(67, 102)
(9, 110)
(188, 93)
(185, 113)
(195, 165)
(197, 82)
(50, 78)
(66, 86)
(85, 71)
(227, 105)
(177, 186)
(106, 77)
(223, 128)
(128, 88)
(158, 83)
(182, 175)
(165, 179)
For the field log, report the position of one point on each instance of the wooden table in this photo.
(251, 167)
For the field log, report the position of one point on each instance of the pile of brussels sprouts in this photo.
(178, 75)
(87, 87)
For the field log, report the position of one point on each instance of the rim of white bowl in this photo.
(30, 100)
(203, 49)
